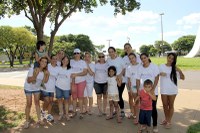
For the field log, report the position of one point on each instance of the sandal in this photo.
(164, 122)
(130, 115)
(26, 125)
(81, 116)
(73, 114)
(67, 117)
(89, 112)
(135, 122)
(109, 117)
(60, 117)
(119, 120)
(168, 125)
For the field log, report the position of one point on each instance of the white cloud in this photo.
(141, 29)
(173, 33)
(186, 27)
(190, 19)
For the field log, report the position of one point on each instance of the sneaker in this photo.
(26, 125)
(155, 129)
(122, 114)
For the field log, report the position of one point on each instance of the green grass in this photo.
(183, 63)
(9, 119)
(16, 63)
(194, 128)
(10, 87)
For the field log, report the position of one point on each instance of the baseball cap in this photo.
(77, 50)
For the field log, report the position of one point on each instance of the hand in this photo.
(73, 75)
(178, 69)
(163, 74)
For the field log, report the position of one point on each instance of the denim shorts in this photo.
(62, 93)
(27, 92)
(145, 117)
(47, 94)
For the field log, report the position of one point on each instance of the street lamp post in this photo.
(109, 40)
(162, 51)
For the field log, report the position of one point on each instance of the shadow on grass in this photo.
(9, 119)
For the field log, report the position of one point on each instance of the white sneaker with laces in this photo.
(155, 129)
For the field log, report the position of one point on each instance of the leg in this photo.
(37, 107)
(121, 101)
(90, 105)
(104, 103)
(130, 97)
(46, 103)
(99, 103)
(28, 106)
(154, 114)
(50, 104)
(60, 106)
(66, 103)
(171, 107)
(111, 110)
(165, 108)
(80, 90)
(117, 110)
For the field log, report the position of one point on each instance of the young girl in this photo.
(63, 88)
(48, 93)
(169, 73)
(113, 93)
(146, 95)
(40, 52)
(34, 89)
(131, 74)
(89, 83)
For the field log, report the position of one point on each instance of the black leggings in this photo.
(154, 111)
(121, 90)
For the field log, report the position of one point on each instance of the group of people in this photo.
(72, 81)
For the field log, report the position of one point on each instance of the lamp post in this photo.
(109, 40)
(162, 51)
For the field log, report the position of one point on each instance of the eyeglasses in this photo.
(101, 56)
(76, 53)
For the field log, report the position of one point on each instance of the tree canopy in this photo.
(57, 11)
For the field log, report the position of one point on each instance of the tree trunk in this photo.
(21, 59)
(53, 33)
(40, 34)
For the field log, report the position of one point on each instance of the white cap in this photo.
(77, 50)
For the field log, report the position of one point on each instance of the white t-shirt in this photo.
(89, 78)
(149, 72)
(112, 85)
(77, 67)
(36, 86)
(63, 80)
(58, 63)
(119, 64)
(50, 85)
(101, 73)
(131, 72)
(167, 86)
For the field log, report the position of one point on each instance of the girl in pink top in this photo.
(146, 95)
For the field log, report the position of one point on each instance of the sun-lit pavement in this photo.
(187, 110)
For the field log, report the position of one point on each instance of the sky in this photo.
(143, 26)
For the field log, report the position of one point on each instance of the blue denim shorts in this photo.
(27, 92)
(47, 94)
(62, 93)
(145, 117)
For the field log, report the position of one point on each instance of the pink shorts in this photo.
(78, 90)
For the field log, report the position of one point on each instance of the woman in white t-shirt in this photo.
(116, 61)
(79, 70)
(169, 73)
(150, 71)
(32, 86)
(63, 85)
(48, 93)
(128, 50)
(131, 72)
(100, 83)
(89, 83)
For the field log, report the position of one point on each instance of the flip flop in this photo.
(164, 122)
(109, 117)
(119, 120)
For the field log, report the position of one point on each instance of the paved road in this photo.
(191, 82)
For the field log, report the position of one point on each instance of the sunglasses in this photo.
(76, 53)
(101, 56)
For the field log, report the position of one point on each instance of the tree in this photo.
(162, 47)
(152, 50)
(57, 11)
(144, 49)
(24, 40)
(120, 52)
(7, 42)
(184, 43)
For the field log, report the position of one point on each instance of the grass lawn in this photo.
(194, 128)
(183, 63)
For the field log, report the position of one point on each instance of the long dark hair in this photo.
(145, 54)
(40, 43)
(173, 75)
(68, 65)
(112, 68)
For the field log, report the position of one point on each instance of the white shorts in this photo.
(88, 90)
